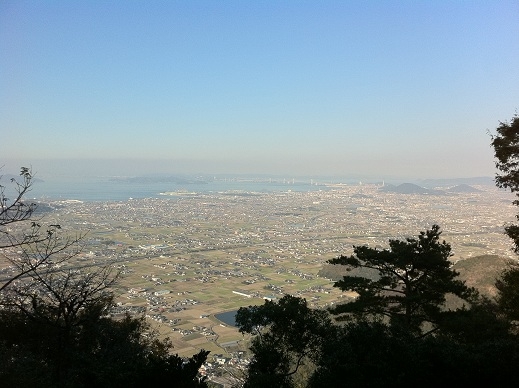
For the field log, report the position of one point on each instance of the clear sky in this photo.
(371, 88)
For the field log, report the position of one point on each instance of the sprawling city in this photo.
(186, 259)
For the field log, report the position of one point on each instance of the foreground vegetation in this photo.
(56, 327)
(413, 322)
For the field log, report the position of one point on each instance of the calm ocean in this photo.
(104, 189)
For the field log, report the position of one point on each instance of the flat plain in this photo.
(184, 259)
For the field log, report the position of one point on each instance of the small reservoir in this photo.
(228, 317)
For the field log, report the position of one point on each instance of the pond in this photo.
(227, 317)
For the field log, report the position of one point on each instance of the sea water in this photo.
(107, 189)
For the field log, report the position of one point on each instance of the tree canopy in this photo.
(413, 278)
(288, 337)
(506, 151)
(398, 331)
(508, 291)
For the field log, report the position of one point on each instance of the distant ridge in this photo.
(481, 272)
(410, 188)
(463, 188)
(484, 181)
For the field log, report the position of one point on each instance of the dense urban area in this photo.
(185, 258)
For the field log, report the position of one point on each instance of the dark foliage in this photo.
(399, 332)
(55, 325)
(103, 352)
(506, 150)
(474, 349)
(414, 276)
(288, 335)
(508, 292)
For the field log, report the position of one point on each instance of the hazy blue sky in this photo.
(375, 88)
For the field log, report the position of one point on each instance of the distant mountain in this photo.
(410, 188)
(463, 188)
(481, 272)
(388, 187)
(483, 181)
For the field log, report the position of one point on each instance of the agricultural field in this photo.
(185, 259)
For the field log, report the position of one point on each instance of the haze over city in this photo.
(375, 89)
